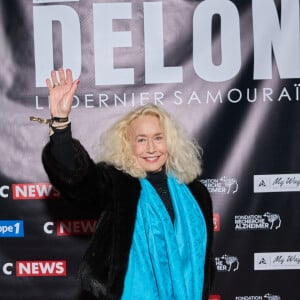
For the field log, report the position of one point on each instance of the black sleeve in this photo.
(61, 147)
(88, 185)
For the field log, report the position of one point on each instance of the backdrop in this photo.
(228, 71)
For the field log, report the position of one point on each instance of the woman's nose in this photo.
(150, 147)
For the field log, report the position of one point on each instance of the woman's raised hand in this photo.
(61, 92)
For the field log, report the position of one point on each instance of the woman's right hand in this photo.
(61, 92)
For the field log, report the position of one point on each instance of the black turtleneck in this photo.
(159, 182)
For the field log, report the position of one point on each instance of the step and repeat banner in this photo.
(228, 71)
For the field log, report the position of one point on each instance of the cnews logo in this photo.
(34, 191)
(36, 268)
(11, 228)
(214, 297)
(71, 227)
(227, 263)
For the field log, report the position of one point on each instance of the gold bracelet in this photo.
(62, 122)
(59, 126)
(40, 120)
(48, 121)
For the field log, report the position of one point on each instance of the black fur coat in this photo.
(114, 195)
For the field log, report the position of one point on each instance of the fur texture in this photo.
(114, 195)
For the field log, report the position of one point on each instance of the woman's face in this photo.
(148, 143)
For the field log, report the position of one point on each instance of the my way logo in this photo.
(267, 296)
(227, 263)
(272, 183)
(266, 221)
(277, 261)
(11, 228)
(221, 185)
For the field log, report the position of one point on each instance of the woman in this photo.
(154, 236)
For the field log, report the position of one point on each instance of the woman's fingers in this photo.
(61, 92)
(69, 77)
(71, 93)
(54, 78)
(49, 84)
(74, 87)
(64, 78)
(61, 74)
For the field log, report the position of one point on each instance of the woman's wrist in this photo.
(59, 125)
(59, 122)
(54, 123)
(59, 119)
(60, 130)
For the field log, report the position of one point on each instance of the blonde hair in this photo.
(184, 158)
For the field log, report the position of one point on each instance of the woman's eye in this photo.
(141, 140)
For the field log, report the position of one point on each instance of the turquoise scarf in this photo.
(166, 261)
